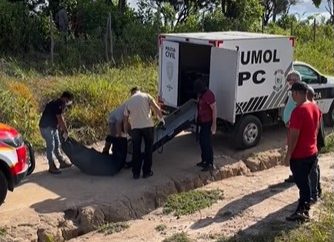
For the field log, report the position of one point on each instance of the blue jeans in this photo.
(51, 137)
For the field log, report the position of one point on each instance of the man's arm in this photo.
(156, 108)
(213, 107)
(292, 142)
(61, 123)
(126, 125)
(119, 125)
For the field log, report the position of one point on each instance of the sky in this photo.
(306, 8)
(303, 9)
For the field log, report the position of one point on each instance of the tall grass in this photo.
(22, 99)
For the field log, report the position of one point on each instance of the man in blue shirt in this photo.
(291, 78)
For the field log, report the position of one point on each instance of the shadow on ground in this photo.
(268, 228)
(238, 206)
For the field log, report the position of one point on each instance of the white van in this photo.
(246, 72)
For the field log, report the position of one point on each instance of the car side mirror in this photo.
(323, 79)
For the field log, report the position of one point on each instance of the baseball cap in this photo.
(310, 90)
(299, 86)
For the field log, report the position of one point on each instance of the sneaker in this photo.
(209, 167)
(136, 176)
(105, 152)
(65, 165)
(127, 165)
(148, 174)
(54, 171)
(313, 201)
(290, 179)
(319, 192)
(298, 216)
(201, 164)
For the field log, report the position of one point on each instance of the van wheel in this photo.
(329, 117)
(3, 187)
(248, 132)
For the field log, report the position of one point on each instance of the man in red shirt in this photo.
(302, 147)
(206, 118)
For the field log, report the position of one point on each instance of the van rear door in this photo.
(169, 72)
(223, 81)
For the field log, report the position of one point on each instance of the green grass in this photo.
(161, 227)
(320, 229)
(329, 144)
(178, 237)
(112, 228)
(189, 202)
(3, 232)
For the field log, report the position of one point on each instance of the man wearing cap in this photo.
(302, 147)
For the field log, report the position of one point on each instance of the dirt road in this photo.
(40, 201)
(44, 193)
(251, 204)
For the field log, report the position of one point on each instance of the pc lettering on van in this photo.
(256, 57)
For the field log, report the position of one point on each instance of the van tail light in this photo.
(21, 164)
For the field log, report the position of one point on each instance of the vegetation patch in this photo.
(189, 202)
(3, 232)
(178, 237)
(161, 227)
(111, 228)
(329, 144)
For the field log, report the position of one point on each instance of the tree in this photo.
(316, 2)
(180, 9)
(329, 8)
(122, 5)
(272, 8)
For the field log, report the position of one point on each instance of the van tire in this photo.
(3, 187)
(32, 161)
(329, 117)
(248, 132)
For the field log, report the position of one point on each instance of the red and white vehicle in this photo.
(16, 159)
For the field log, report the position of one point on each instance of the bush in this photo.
(18, 108)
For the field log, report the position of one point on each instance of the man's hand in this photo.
(163, 122)
(286, 161)
(287, 125)
(65, 135)
(213, 128)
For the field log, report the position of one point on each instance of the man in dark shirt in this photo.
(315, 171)
(206, 118)
(50, 123)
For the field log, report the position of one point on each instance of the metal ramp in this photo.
(176, 122)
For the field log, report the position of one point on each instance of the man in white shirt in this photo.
(138, 115)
